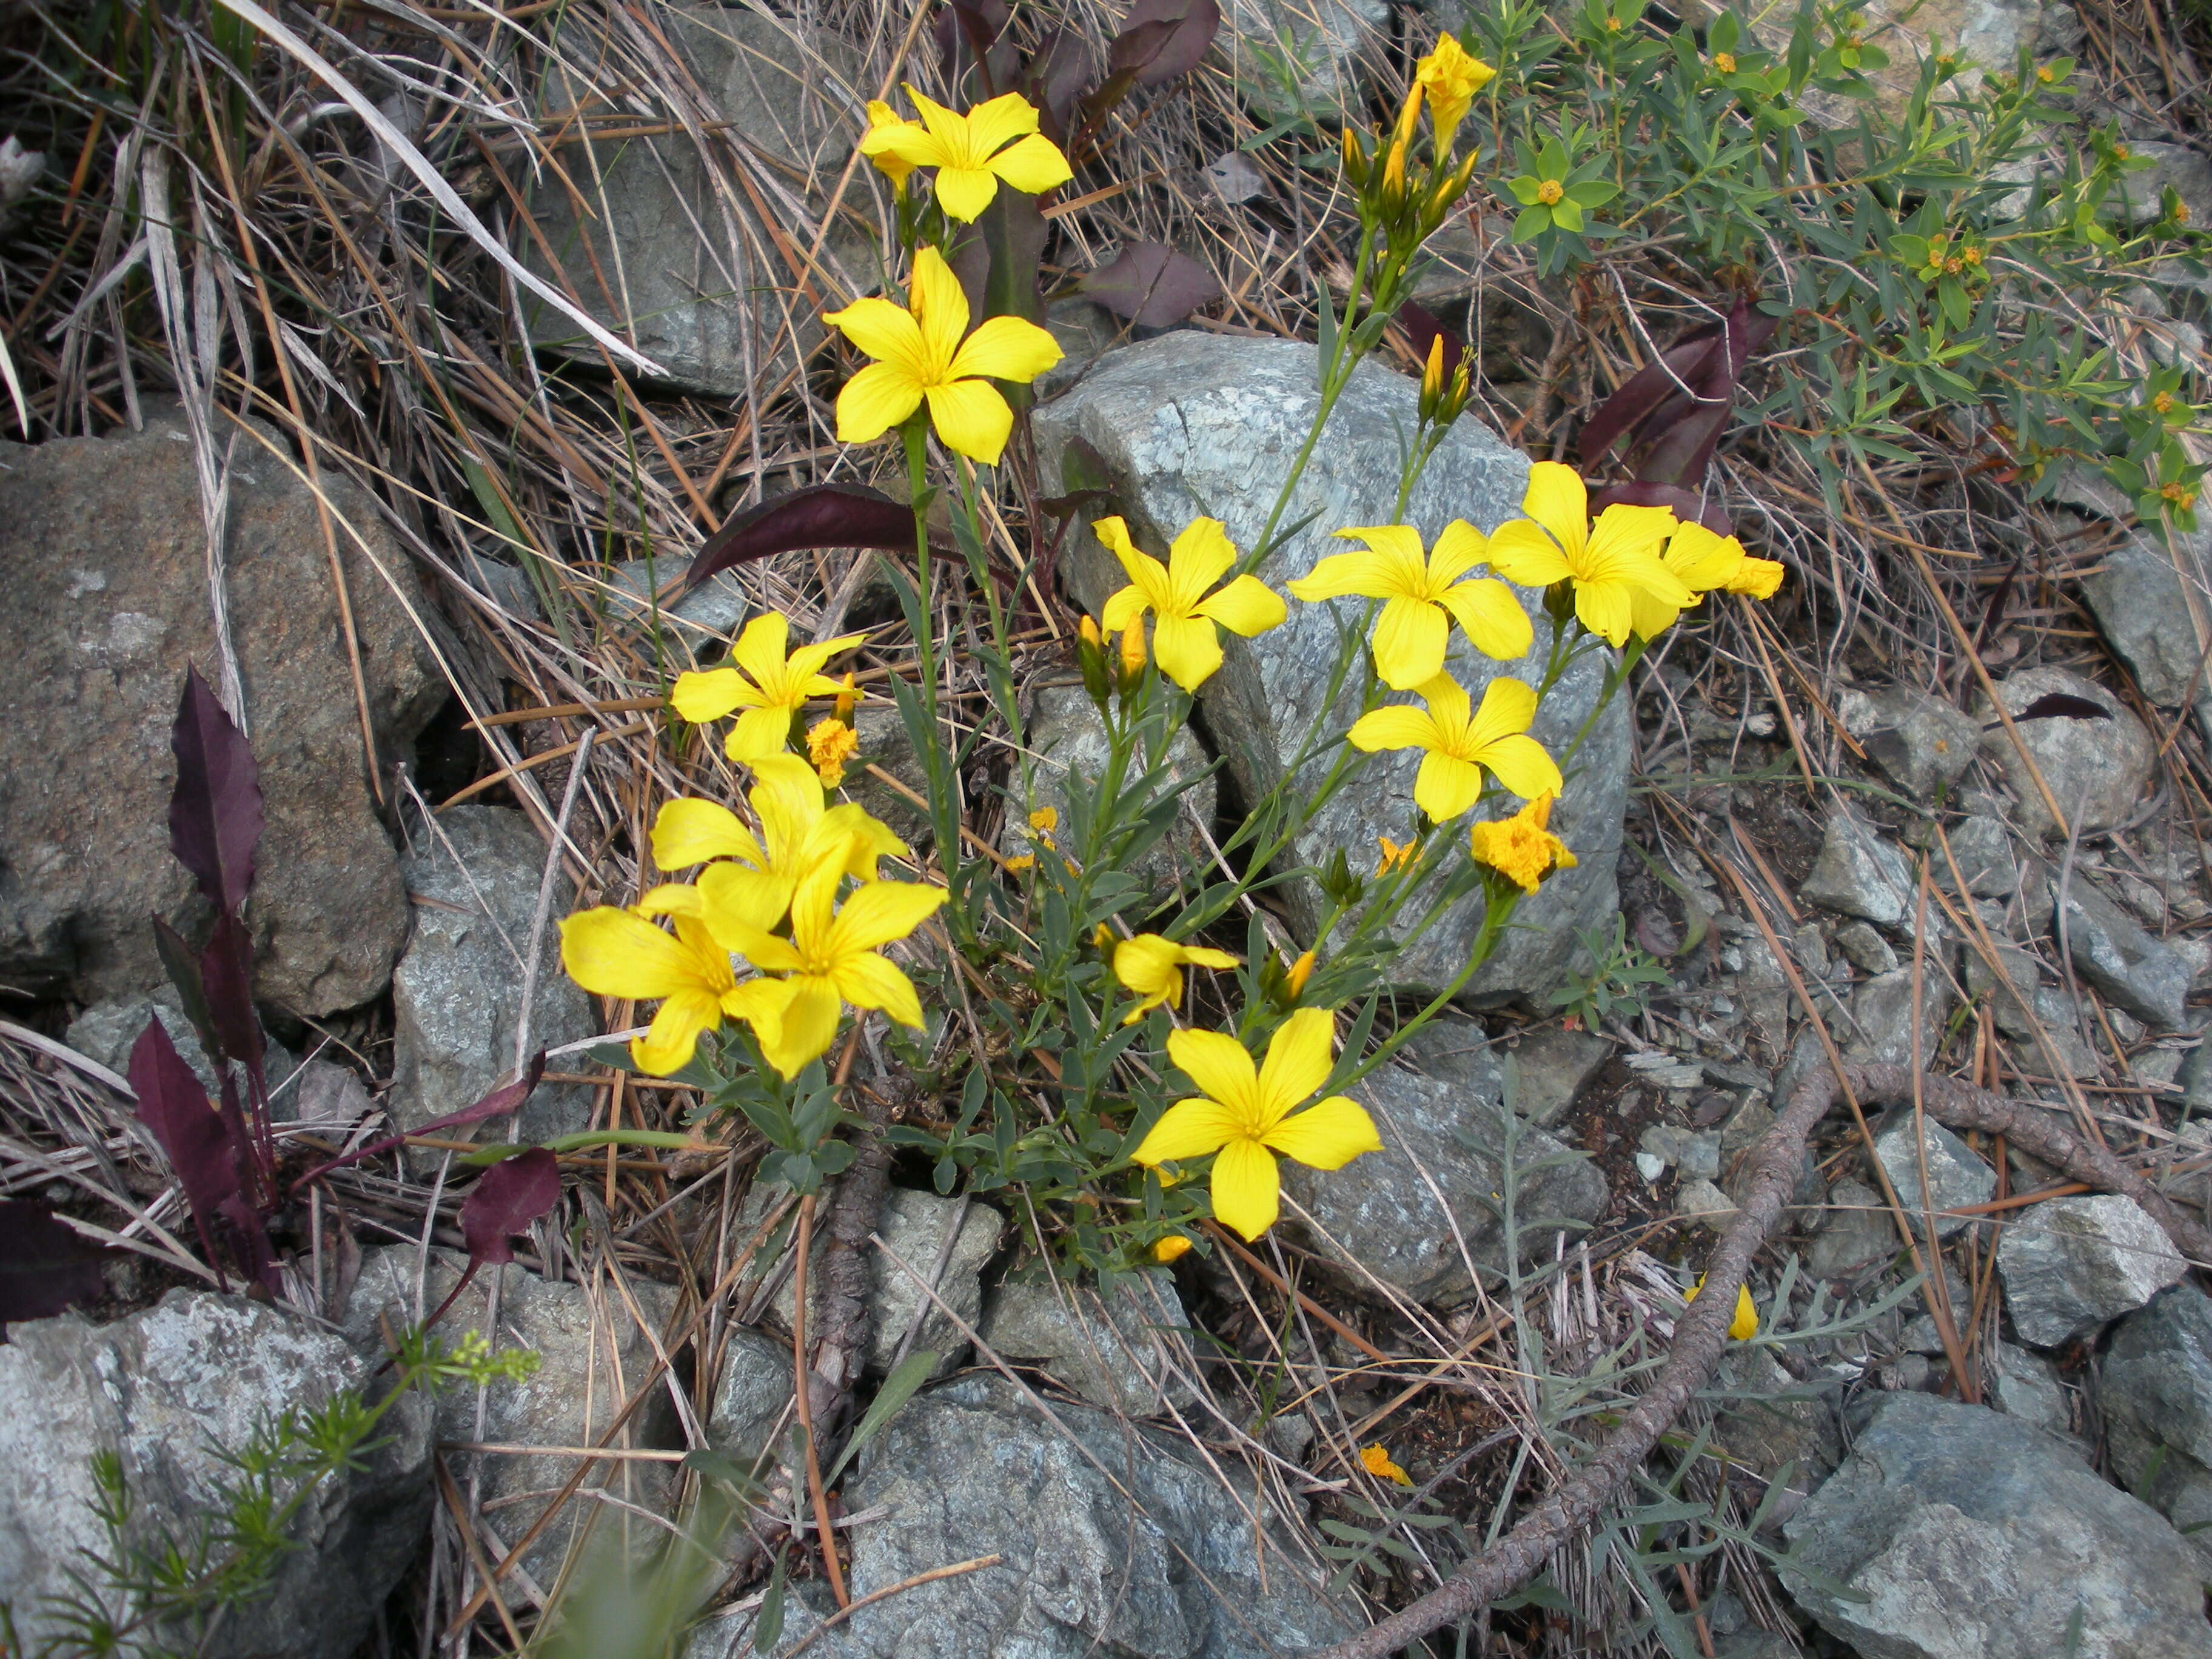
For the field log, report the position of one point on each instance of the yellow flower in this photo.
(830, 744)
(994, 142)
(1724, 62)
(1376, 1461)
(1173, 1247)
(1184, 634)
(1246, 1117)
(796, 834)
(1459, 744)
(1520, 846)
(1420, 598)
(921, 355)
(1703, 562)
(830, 958)
(1609, 562)
(613, 952)
(1294, 981)
(1152, 967)
(769, 685)
(1745, 1325)
(1043, 823)
(1451, 76)
(889, 162)
(1396, 856)
(1021, 861)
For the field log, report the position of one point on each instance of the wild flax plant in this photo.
(1128, 1117)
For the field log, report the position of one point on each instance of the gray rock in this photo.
(1922, 744)
(2140, 603)
(1086, 331)
(2157, 1397)
(971, 1469)
(1973, 1536)
(1302, 57)
(2096, 769)
(1956, 1178)
(108, 1030)
(106, 555)
(884, 742)
(1772, 1418)
(1881, 1015)
(2071, 1264)
(1695, 1152)
(1865, 949)
(1381, 1211)
(591, 1355)
(1192, 424)
(2026, 1386)
(714, 612)
(1547, 1069)
(1860, 873)
(1068, 741)
(1703, 1202)
(1856, 1230)
(169, 1390)
(751, 1414)
(1985, 856)
(666, 246)
(2145, 975)
(1118, 1352)
(456, 998)
(2181, 166)
(914, 1225)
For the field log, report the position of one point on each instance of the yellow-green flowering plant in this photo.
(1093, 1008)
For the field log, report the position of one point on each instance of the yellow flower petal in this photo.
(1032, 165)
(1149, 964)
(880, 912)
(1327, 1135)
(701, 697)
(1376, 1462)
(1188, 649)
(613, 953)
(1556, 500)
(1522, 553)
(690, 832)
(1446, 785)
(669, 1041)
(1200, 556)
(868, 981)
(1247, 1189)
(1522, 766)
(1187, 1129)
(964, 192)
(878, 397)
(758, 734)
(1298, 1062)
(808, 1027)
(1491, 618)
(1409, 642)
(972, 418)
(885, 331)
(1248, 606)
(1217, 1062)
(1399, 726)
(1758, 579)
(1006, 348)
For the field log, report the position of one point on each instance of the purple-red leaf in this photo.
(513, 1193)
(184, 971)
(820, 515)
(174, 1106)
(1422, 330)
(215, 811)
(227, 981)
(508, 1097)
(1678, 406)
(1056, 79)
(2060, 705)
(1686, 503)
(1163, 38)
(44, 1265)
(1151, 285)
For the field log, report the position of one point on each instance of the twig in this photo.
(903, 1585)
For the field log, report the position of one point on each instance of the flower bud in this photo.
(1356, 167)
(1173, 1247)
(1133, 655)
(1301, 971)
(847, 695)
(1432, 380)
(1091, 660)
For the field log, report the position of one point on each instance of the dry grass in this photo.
(354, 332)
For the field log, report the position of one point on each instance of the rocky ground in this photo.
(1976, 1419)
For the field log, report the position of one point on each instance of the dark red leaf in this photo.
(1678, 407)
(981, 24)
(1056, 79)
(1163, 38)
(174, 1106)
(226, 977)
(44, 1265)
(508, 1097)
(215, 811)
(183, 967)
(820, 515)
(1422, 329)
(1686, 503)
(1151, 285)
(513, 1193)
(2058, 705)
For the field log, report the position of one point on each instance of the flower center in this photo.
(1550, 191)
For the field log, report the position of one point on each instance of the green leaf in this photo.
(1531, 223)
(898, 1387)
(1595, 192)
(1525, 189)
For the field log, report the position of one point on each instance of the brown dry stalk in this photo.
(1701, 1333)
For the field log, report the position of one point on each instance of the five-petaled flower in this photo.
(1705, 562)
(1420, 597)
(613, 952)
(1183, 632)
(830, 958)
(1153, 966)
(924, 353)
(1610, 562)
(1248, 1115)
(1459, 740)
(770, 686)
(996, 142)
(1521, 847)
(752, 877)
(1451, 76)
